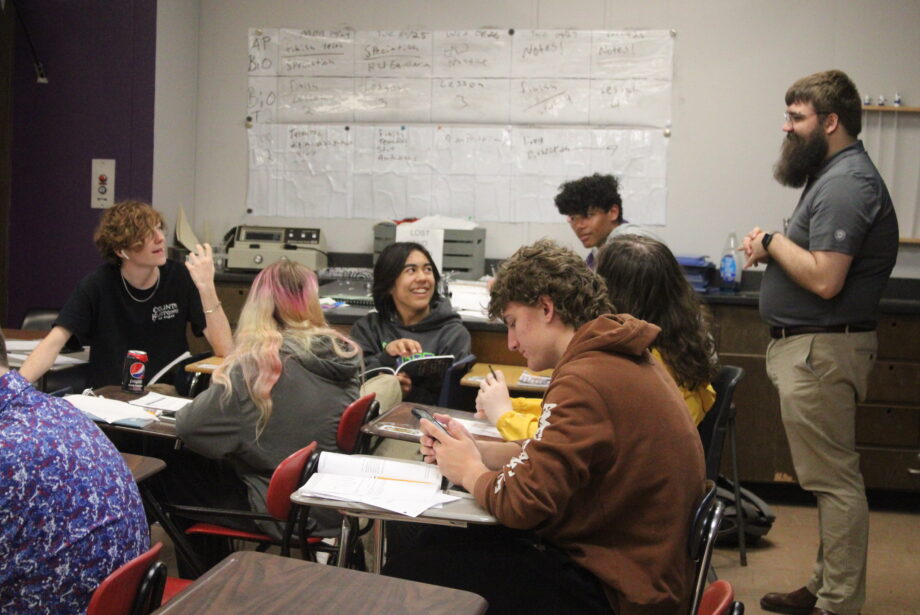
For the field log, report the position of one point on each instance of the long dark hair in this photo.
(645, 280)
(388, 268)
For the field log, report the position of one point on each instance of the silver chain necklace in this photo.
(155, 287)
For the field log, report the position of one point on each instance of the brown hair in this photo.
(645, 280)
(548, 269)
(830, 91)
(4, 360)
(125, 225)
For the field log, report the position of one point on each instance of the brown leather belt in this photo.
(780, 332)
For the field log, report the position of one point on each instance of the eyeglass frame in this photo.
(789, 118)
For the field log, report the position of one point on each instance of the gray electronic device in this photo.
(255, 247)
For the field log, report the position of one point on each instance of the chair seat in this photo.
(173, 587)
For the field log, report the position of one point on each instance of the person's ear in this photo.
(124, 255)
(831, 123)
(614, 213)
(549, 308)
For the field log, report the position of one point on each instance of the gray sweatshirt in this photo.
(441, 332)
(307, 401)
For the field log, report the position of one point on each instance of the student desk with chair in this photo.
(65, 362)
(459, 513)
(253, 582)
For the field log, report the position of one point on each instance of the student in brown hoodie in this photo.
(596, 507)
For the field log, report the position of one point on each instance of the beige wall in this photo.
(733, 62)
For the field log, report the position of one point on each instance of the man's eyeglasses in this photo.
(795, 118)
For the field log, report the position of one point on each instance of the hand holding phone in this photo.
(421, 413)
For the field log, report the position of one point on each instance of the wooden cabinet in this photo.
(887, 423)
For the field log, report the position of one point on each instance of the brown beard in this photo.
(800, 158)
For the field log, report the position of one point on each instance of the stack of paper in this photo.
(162, 404)
(400, 486)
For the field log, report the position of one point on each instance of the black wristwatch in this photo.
(765, 241)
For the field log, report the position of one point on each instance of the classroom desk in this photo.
(252, 582)
(458, 513)
(81, 357)
(511, 372)
(143, 467)
(163, 428)
(204, 366)
(400, 424)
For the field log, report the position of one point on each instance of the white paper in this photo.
(479, 428)
(431, 238)
(28, 345)
(402, 487)
(109, 410)
(155, 401)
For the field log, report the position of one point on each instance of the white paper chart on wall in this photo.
(476, 123)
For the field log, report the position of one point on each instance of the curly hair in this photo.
(596, 191)
(548, 269)
(830, 91)
(124, 226)
(645, 280)
(282, 305)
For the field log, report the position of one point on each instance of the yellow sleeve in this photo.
(521, 421)
(698, 400)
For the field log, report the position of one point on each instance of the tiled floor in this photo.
(782, 560)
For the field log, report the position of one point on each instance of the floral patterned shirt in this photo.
(70, 512)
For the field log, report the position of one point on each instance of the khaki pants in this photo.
(820, 377)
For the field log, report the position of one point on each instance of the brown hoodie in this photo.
(615, 469)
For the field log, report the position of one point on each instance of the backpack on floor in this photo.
(758, 517)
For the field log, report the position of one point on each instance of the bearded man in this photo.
(820, 296)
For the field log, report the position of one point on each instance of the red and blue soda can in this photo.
(132, 374)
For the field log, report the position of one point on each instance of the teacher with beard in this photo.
(820, 296)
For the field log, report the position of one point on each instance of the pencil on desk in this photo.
(403, 480)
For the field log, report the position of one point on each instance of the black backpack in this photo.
(758, 518)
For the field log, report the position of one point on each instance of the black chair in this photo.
(39, 319)
(703, 530)
(71, 380)
(718, 421)
(453, 394)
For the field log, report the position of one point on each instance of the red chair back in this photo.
(717, 599)
(117, 593)
(285, 481)
(348, 436)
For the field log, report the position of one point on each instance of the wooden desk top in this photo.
(400, 424)
(23, 334)
(512, 374)
(252, 582)
(205, 366)
(164, 428)
(143, 467)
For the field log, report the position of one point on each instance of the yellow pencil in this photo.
(402, 480)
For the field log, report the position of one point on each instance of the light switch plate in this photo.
(102, 193)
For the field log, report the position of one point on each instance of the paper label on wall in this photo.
(431, 238)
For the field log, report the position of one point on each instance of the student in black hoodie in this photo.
(410, 318)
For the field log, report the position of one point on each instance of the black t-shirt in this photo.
(102, 314)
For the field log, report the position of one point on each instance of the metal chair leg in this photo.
(739, 507)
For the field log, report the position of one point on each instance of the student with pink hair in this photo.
(286, 383)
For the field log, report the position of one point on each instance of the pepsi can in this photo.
(132, 374)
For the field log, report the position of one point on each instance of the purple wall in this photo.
(100, 60)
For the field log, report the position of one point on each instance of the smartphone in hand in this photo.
(421, 413)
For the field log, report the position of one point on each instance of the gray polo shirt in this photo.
(844, 208)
